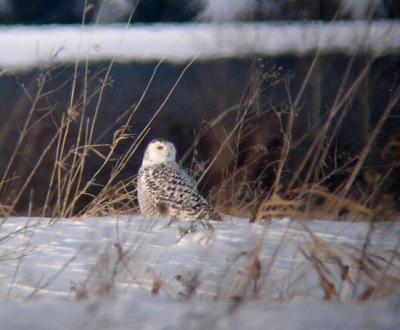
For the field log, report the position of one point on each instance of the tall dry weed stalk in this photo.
(278, 188)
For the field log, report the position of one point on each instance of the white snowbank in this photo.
(43, 267)
(135, 312)
(25, 47)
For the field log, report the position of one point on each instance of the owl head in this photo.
(159, 151)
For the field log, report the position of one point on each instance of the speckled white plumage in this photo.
(165, 190)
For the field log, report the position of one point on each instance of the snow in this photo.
(26, 47)
(100, 273)
(227, 11)
(359, 9)
(134, 313)
(113, 10)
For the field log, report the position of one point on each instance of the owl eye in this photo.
(160, 147)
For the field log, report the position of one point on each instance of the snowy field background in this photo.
(124, 272)
(27, 47)
(128, 272)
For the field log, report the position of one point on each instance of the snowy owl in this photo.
(166, 190)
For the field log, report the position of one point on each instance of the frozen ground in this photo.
(129, 272)
(25, 47)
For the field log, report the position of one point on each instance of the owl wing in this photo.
(179, 194)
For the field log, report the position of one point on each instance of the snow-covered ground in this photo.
(26, 47)
(127, 272)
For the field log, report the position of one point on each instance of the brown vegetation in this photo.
(321, 141)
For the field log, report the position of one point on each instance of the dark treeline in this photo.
(256, 94)
(70, 11)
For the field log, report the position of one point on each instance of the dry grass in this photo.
(359, 192)
(300, 194)
(279, 189)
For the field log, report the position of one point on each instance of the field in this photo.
(306, 181)
(124, 272)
